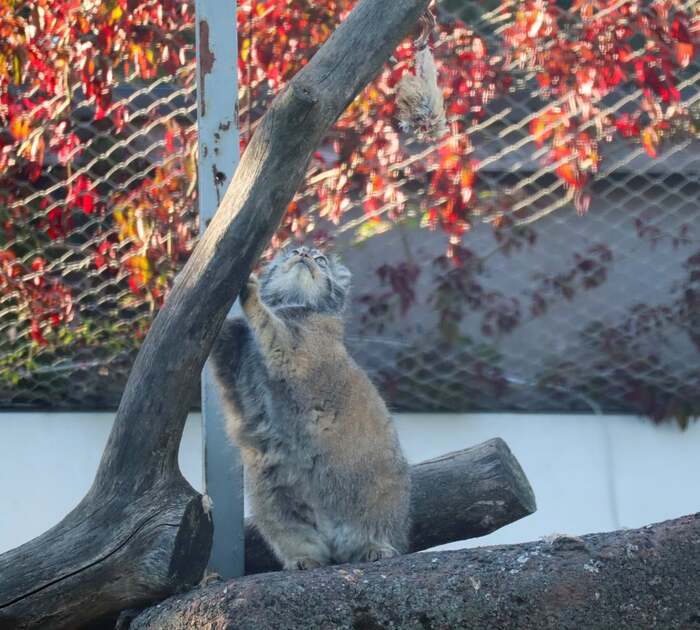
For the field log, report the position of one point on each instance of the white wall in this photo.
(589, 473)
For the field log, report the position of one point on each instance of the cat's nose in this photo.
(303, 254)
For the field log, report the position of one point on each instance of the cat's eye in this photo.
(295, 252)
(321, 260)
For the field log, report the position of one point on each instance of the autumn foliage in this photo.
(580, 54)
(54, 57)
(60, 57)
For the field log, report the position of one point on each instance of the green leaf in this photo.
(369, 229)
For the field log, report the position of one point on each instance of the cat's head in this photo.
(305, 277)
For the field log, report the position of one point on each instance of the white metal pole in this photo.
(217, 115)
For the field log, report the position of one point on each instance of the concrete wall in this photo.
(589, 473)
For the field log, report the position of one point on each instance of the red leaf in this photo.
(169, 140)
(36, 333)
(33, 171)
(38, 264)
(88, 203)
(134, 285)
(679, 28)
(371, 205)
(82, 195)
(569, 173)
(627, 125)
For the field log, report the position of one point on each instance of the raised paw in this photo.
(303, 564)
(380, 552)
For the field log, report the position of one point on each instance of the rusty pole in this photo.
(217, 117)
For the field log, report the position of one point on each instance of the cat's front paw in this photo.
(380, 552)
(250, 294)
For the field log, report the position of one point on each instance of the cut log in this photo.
(633, 579)
(125, 544)
(457, 496)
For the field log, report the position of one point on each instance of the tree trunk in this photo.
(141, 532)
(633, 579)
(457, 496)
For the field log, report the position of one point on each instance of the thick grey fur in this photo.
(325, 474)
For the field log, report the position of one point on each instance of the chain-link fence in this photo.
(91, 248)
(553, 282)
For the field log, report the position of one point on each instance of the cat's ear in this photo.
(341, 274)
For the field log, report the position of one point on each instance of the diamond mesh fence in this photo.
(91, 248)
(547, 297)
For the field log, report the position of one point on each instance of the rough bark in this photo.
(633, 579)
(474, 491)
(141, 523)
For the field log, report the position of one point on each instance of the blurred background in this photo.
(533, 274)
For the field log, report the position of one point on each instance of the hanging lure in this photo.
(421, 110)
